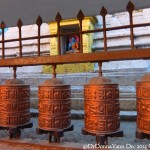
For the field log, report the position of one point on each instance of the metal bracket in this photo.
(102, 139)
(56, 134)
(15, 132)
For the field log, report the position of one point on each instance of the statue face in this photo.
(73, 39)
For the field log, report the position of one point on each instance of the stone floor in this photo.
(127, 142)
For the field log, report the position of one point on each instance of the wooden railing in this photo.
(76, 57)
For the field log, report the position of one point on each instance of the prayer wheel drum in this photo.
(143, 104)
(101, 107)
(54, 105)
(14, 104)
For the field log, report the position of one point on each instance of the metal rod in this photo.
(81, 40)
(3, 44)
(14, 74)
(130, 9)
(59, 42)
(3, 26)
(80, 17)
(103, 14)
(20, 36)
(58, 20)
(39, 39)
(39, 22)
(20, 42)
(100, 68)
(54, 70)
(131, 31)
(105, 36)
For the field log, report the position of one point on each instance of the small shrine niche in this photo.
(72, 25)
(67, 47)
(70, 43)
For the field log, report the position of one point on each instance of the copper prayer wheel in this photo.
(14, 103)
(54, 105)
(101, 105)
(143, 104)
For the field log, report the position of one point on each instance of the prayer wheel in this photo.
(54, 105)
(14, 103)
(143, 104)
(101, 105)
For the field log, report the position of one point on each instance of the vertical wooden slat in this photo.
(39, 22)
(80, 17)
(103, 13)
(3, 26)
(19, 24)
(130, 8)
(58, 20)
